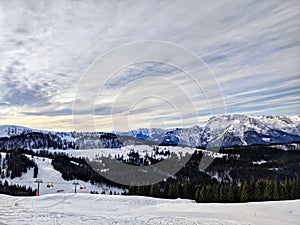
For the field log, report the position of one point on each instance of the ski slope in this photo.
(51, 176)
(106, 209)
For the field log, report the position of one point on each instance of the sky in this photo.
(248, 55)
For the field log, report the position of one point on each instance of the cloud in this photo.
(50, 113)
(251, 47)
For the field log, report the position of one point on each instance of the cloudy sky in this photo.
(249, 54)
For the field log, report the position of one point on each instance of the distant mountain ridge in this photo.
(143, 133)
(230, 130)
(12, 130)
(13, 137)
(218, 131)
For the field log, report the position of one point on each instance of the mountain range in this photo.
(218, 131)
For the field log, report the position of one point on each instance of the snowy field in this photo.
(141, 149)
(106, 209)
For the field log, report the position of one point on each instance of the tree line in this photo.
(13, 164)
(60, 140)
(16, 190)
(233, 177)
(247, 191)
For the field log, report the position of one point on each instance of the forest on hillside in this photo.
(250, 173)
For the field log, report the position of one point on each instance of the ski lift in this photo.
(82, 187)
(50, 185)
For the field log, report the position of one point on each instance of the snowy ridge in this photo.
(20, 137)
(13, 130)
(227, 130)
(230, 130)
(218, 131)
(10, 130)
(143, 133)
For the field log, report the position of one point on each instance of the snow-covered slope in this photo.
(103, 209)
(50, 176)
(12, 137)
(229, 130)
(10, 130)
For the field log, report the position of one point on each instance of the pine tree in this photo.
(259, 190)
(286, 188)
(171, 191)
(282, 191)
(268, 191)
(236, 193)
(293, 188)
(216, 192)
(35, 171)
(7, 173)
(132, 190)
(276, 191)
(229, 193)
(187, 190)
(221, 193)
(297, 188)
(251, 191)
(197, 195)
(155, 190)
(207, 197)
(244, 192)
(166, 190)
(177, 190)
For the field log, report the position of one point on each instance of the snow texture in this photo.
(105, 209)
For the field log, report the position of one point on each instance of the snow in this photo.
(8, 130)
(286, 147)
(239, 130)
(259, 162)
(141, 149)
(105, 209)
(146, 133)
(51, 176)
(12, 130)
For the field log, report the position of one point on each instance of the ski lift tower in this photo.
(75, 183)
(38, 181)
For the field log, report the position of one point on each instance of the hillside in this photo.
(53, 181)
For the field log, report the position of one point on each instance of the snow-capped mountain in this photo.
(230, 130)
(224, 130)
(227, 130)
(143, 133)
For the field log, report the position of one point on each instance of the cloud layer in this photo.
(252, 49)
